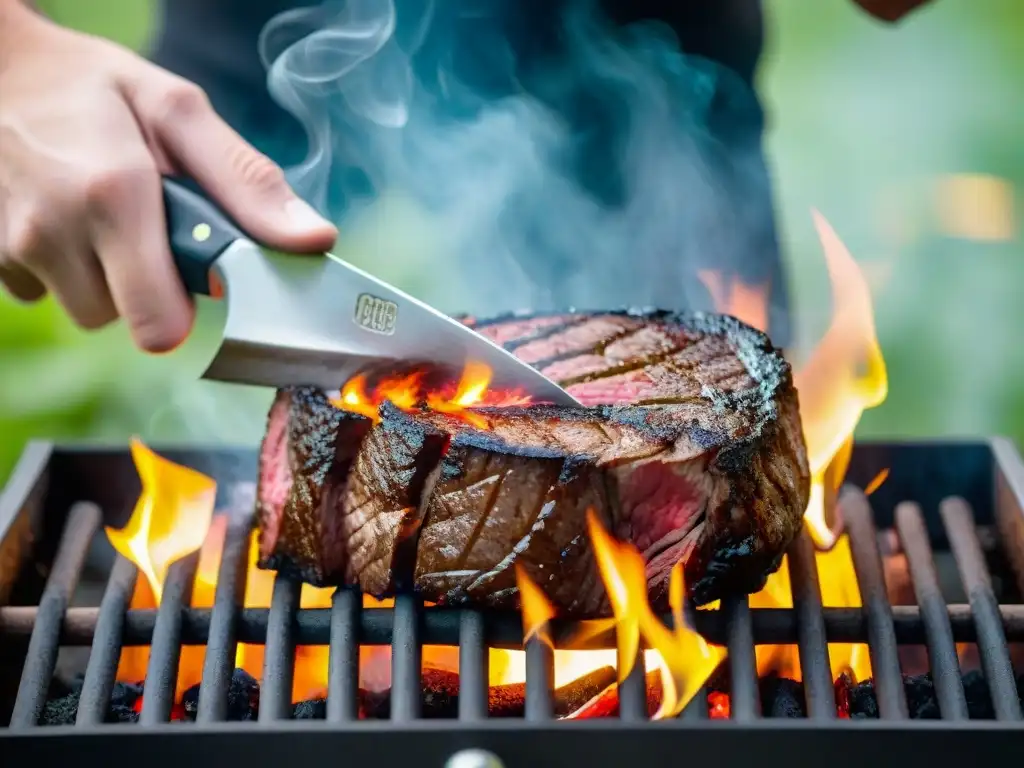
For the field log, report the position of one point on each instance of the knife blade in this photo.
(318, 320)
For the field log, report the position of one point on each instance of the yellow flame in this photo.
(537, 610)
(685, 659)
(843, 377)
(838, 583)
(171, 517)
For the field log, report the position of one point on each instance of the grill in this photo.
(961, 494)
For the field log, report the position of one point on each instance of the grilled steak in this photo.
(689, 445)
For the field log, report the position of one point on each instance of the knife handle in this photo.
(198, 233)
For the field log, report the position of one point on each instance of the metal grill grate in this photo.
(409, 626)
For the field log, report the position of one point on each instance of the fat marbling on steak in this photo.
(688, 444)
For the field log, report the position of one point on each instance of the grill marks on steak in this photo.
(303, 468)
(690, 447)
(385, 500)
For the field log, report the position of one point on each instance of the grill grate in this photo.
(409, 626)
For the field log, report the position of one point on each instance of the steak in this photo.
(688, 444)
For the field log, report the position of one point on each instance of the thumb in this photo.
(245, 182)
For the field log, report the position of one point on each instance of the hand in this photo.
(86, 130)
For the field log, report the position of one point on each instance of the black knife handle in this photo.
(198, 232)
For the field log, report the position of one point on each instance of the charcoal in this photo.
(124, 701)
(243, 698)
(782, 698)
(312, 709)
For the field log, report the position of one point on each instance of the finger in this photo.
(76, 281)
(41, 257)
(249, 186)
(21, 284)
(129, 234)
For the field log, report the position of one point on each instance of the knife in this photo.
(317, 320)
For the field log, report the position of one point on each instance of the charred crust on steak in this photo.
(307, 467)
(689, 445)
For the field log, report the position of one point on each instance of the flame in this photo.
(844, 376)
(408, 392)
(537, 609)
(682, 656)
(747, 303)
(170, 519)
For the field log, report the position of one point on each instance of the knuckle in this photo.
(28, 241)
(257, 170)
(115, 184)
(181, 101)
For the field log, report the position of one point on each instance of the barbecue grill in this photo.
(937, 498)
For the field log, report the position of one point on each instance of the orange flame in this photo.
(537, 609)
(747, 303)
(844, 376)
(683, 657)
(407, 392)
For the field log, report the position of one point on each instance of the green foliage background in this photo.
(864, 119)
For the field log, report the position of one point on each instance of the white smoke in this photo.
(493, 172)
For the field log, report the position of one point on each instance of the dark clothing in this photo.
(214, 43)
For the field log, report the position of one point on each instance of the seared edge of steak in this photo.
(303, 467)
(385, 499)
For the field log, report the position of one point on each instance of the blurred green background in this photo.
(907, 138)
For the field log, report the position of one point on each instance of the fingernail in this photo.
(304, 216)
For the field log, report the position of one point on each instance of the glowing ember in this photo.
(876, 482)
(409, 393)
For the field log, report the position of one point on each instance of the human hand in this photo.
(87, 128)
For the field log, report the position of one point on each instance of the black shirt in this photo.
(214, 43)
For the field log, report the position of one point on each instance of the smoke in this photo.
(545, 158)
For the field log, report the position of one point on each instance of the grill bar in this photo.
(815, 666)
(867, 562)
(970, 561)
(406, 660)
(165, 652)
(44, 644)
(697, 709)
(743, 689)
(772, 626)
(279, 653)
(343, 673)
(945, 666)
(540, 679)
(219, 661)
(106, 648)
(633, 690)
(474, 667)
